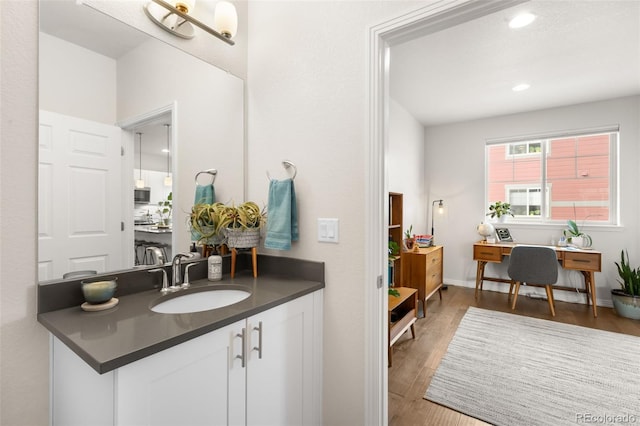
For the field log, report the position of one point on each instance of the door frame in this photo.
(434, 17)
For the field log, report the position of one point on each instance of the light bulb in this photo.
(168, 181)
(225, 20)
(185, 6)
(139, 183)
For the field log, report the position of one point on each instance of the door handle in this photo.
(259, 347)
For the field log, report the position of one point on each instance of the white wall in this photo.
(24, 348)
(209, 125)
(406, 167)
(459, 179)
(76, 81)
(307, 90)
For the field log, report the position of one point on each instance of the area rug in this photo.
(511, 370)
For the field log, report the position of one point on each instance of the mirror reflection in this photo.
(113, 101)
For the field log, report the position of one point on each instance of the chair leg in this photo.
(550, 299)
(511, 284)
(515, 296)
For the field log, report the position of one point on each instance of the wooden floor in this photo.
(415, 361)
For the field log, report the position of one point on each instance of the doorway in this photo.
(417, 24)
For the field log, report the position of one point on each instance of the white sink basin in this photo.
(201, 301)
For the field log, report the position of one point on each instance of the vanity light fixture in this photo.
(168, 181)
(522, 20)
(520, 87)
(140, 181)
(173, 16)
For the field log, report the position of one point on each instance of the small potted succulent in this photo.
(626, 299)
(203, 222)
(499, 210)
(241, 224)
(575, 236)
(409, 239)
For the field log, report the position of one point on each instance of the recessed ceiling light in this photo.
(520, 87)
(522, 20)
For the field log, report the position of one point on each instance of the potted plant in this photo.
(409, 239)
(499, 210)
(164, 211)
(241, 224)
(626, 299)
(575, 236)
(394, 254)
(203, 222)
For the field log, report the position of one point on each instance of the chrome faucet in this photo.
(157, 255)
(175, 271)
(165, 284)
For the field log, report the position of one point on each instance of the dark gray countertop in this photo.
(130, 331)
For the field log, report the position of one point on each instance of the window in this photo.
(556, 177)
(524, 148)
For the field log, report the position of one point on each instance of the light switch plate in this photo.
(328, 230)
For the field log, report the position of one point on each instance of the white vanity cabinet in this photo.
(204, 381)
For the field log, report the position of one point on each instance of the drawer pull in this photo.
(581, 260)
(486, 253)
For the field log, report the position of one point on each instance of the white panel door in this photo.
(79, 196)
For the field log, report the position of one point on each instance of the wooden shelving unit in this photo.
(395, 232)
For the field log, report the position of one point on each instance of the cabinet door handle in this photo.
(259, 347)
(243, 354)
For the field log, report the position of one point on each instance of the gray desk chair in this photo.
(535, 266)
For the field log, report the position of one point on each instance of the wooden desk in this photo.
(402, 315)
(587, 262)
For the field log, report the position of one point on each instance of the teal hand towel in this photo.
(282, 215)
(205, 194)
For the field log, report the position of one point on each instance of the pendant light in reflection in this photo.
(168, 181)
(140, 181)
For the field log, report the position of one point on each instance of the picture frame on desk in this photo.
(504, 235)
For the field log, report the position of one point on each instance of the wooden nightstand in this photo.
(402, 315)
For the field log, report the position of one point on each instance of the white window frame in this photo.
(544, 219)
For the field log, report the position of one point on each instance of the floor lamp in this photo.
(440, 210)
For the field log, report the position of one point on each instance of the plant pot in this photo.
(626, 305)
(409, 242)
(242, 238)
(207, 237)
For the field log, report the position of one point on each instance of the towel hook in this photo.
(212, 172)
(287, 165)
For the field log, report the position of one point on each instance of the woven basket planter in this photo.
(213, 240)
(242, 238)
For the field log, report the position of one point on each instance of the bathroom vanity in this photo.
(257, 361)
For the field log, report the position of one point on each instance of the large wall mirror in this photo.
(117, 107)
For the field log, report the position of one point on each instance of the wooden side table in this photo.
(402, 315)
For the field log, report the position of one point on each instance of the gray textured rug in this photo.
(511, 370)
